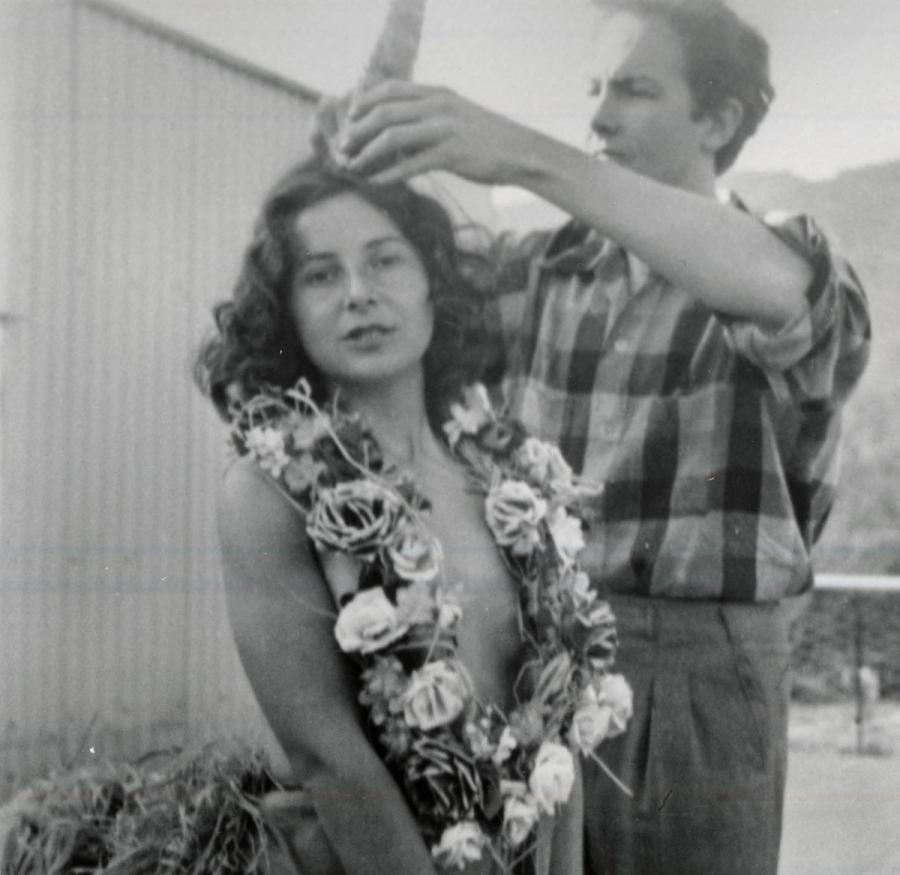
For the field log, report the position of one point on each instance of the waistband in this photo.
(701, 621)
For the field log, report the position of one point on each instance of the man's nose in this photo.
(605, 120)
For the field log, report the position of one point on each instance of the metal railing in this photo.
(860, 586)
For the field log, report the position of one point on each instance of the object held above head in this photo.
(393, 57)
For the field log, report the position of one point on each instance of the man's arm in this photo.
(726, 258)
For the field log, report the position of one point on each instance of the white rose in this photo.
(597, 614)
(534, 455)
(552, 777)
(368, 622)
(614, 693)
(513, 512)
(567, 533)
(460, 845)
(449, 614)
(520, 814)
(436, 695)
(590, 723)
(583, 595)
(414, 556)
(560, 471)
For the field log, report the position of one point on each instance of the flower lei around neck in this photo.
(477, 779)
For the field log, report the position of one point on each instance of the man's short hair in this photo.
(725, 57)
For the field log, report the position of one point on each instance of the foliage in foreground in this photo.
(187, 815)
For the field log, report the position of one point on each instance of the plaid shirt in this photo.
(717, 441)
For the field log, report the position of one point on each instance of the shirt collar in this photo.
(575, 247)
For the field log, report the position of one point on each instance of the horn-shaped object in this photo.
(393, 57)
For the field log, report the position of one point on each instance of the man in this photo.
(693, 357)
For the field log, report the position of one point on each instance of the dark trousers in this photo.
(705, 752)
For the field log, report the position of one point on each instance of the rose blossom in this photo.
(368, 622)
(436, 695)
(590, 723)
(449, 614)
(356, 517)
(614, 693)
(552, 777)
(520, 814)
(460, 844)
(567, 533)
(583, 595)
(415, 556)
(534, 456)
(560, 470)
(513, 512)
(598, 614)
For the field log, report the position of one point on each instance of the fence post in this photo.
(858, 662)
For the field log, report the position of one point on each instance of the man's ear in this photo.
(722, 123)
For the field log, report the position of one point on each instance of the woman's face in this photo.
(360, 299)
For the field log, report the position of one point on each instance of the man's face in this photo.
(644, 115)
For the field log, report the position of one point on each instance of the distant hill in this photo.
(860, 211)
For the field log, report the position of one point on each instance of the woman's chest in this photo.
(474, 573)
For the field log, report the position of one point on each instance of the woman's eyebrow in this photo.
(389, 238)
(306, 255)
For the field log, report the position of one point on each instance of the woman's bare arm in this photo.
(282, 617)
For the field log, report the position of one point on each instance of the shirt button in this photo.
(622, 345)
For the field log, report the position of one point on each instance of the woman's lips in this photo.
(362, 334)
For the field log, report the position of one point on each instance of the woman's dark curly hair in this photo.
(257, 343)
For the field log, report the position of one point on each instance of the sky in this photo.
(836, 63)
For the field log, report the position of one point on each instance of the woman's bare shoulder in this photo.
(262, 532)
(250, 502)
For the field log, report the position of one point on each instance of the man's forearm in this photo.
(723, 256)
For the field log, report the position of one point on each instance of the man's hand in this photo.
(398, 130)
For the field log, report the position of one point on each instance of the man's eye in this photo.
(633, 89)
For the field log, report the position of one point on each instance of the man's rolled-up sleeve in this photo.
(820, 355)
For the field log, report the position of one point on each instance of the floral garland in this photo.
(476, 779)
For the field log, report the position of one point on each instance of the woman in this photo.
(360, 290)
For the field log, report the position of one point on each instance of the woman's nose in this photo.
(358, 289)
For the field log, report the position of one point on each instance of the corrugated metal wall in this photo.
(139, 167)
(140, 158)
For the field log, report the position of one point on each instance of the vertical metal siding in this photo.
(140, 166)
(143, 166)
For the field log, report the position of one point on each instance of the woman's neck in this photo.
(397, 416)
